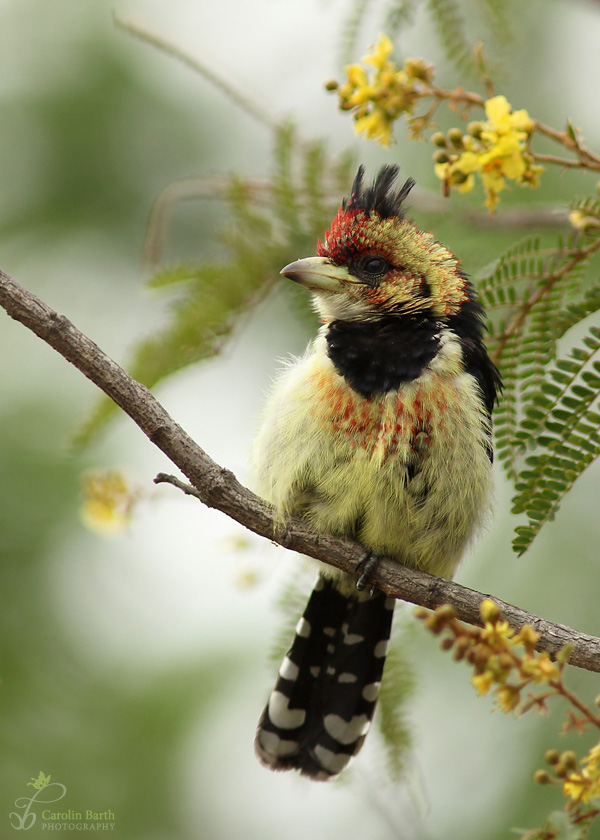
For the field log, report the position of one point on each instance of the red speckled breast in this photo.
(398, 423)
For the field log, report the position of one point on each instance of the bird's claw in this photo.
(367, 565)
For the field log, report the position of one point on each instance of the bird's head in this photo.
(374, 261)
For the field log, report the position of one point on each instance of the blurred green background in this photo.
(134, 669)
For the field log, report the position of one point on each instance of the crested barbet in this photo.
(381, 432)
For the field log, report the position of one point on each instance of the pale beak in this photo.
(318, 274)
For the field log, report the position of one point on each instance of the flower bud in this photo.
(561, 771)
(418, 69)
(455, 136)
(475, 129)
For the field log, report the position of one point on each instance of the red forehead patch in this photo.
(345, 236)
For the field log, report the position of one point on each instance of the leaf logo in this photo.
(40, 782)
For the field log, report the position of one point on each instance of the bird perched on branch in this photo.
(382, 433)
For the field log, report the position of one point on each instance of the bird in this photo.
(381, 432)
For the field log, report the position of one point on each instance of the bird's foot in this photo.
(367, 565)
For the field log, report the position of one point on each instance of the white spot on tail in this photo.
(381, 648)
(303, 628)
(281, 715)
(334, 763)
(289, 670)
(353, 639)
(370, 692)
(270, 746)
(347, 677)
(346, 732)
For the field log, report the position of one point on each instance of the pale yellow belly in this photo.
(406, 474)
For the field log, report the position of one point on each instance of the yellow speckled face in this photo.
(422, 274)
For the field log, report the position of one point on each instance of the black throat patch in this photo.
(380, 355)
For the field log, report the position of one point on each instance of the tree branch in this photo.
(218, 488)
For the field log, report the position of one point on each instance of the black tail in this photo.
(323, 702)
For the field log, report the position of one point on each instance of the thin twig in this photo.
(242, 100)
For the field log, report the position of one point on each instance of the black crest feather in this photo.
(380, 197)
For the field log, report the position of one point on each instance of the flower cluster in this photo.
(108, 502)
(497, 150)
(501, 658)
(582, 784)
(379, 98)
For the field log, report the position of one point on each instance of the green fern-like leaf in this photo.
(450, 26)
(395, 694)
(350, 30)
(564, 421)
(535, 294)
(207, 300)
(398, 14)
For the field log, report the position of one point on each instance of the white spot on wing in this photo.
(281, 715)
(329, 631)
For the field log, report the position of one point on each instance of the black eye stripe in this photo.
(424, 289)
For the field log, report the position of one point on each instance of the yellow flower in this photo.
(508, 697)
(583, 222)
(357, 76)
(489, 610)
(540, 668)
(379, 96)
(483, 682)
(497, 635)
(497, 153)
(108, 502)
(592, 759)
(498, 112)
(575, 786)
(528, 637)
(381, 52)
(375, 126)
(584, 785)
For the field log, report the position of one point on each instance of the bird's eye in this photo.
(369, 268)
(374, 266)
